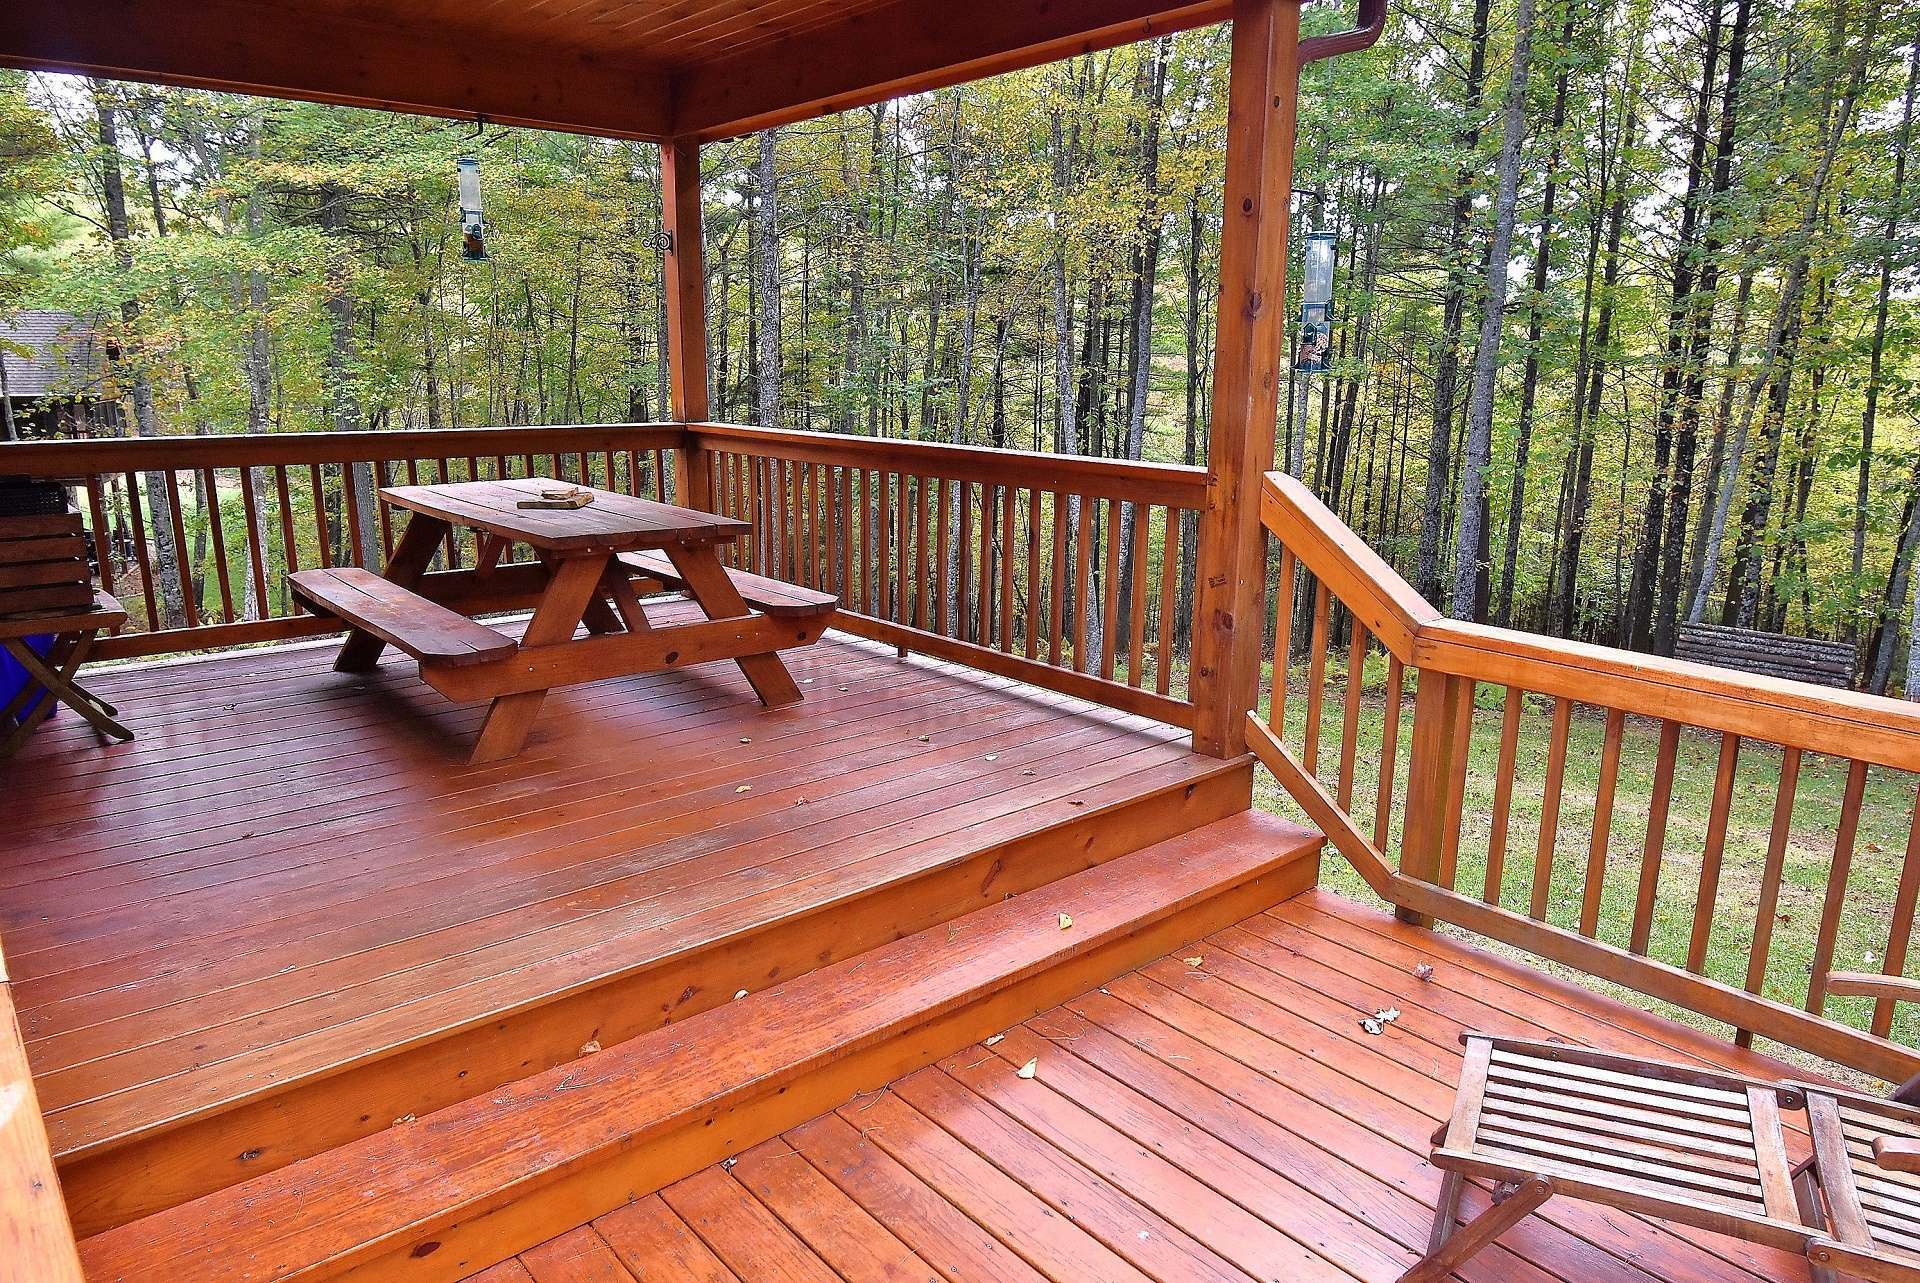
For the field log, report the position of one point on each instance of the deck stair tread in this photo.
(394, 1191)
(769, 596)
(424, 629)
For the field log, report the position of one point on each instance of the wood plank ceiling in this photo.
(651, 69)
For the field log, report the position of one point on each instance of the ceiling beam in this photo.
(286, 51)
(910, 47)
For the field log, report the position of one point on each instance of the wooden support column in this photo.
(1441, 731)
(1230, 580)
(686, 304)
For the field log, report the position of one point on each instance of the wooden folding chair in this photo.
(53, 678)
(1541, 1120)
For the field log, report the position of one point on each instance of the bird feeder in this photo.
(473, 243)
(1316, 305)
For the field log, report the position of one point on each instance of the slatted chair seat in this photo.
(774, 597)
(423, 629)
(1690, 1145)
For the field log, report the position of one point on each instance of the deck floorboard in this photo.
(1220, 1119)
(290, 867)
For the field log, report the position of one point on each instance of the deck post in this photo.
(1441, 704)
(686, 303)
(1230, 579)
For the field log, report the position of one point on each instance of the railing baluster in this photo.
(963, 596)
(102, 535)
(1056, 626)
(1655, 846)
(355, 540)
(1502, 798)
(1110, 575)
(212, 485)
(283, 494)
(1768, 904)
(1008, 498)
(1086, 515)
(137, 519)
(1602, 823)
(1452, 810)
(943, 555)
(1283, 599)
(256, 543)
(1033, 572)
(1389, 747)
(320, 513)
(1170, 603)
(1550, 810)
(1350, 719)
(1837, 873)
(922, 580)
(983, 606)
(1137, 597)
(1316, 676)
(182, 558)
(1900, 928)
(1710, 856)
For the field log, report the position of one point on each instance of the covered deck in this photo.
(1218, 1114)
(288, 914)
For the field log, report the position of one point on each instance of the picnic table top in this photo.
(613, 522)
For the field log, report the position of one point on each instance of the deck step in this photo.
(455, 1191)
(674, 947)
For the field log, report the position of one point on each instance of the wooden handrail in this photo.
(237, 450)
(1451, 659)
(1818, 719)
(1174, 485)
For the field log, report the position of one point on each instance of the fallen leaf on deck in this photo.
(1194, 961)
(993, 757)
(590, 1046)
(1423, 972)
(1373, 1026)
(1029, 1069)
(740, 995)
(744, 788)
(996, 1040)
(1066, 920)
(746, 739)
(404, 1118)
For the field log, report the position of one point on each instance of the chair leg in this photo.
(1457, 1249)
(1446, 1212)
(1806, 1192)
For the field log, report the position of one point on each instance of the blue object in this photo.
(14, 678)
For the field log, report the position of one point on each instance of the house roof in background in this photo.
(68, 355)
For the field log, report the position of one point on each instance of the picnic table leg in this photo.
(574, 585)
(598, 616)
(360, 653)
(1481, 1231)
(711, 586)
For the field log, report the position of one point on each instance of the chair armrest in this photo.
(1868, 984)
(1897, 1155)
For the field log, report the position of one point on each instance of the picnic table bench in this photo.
(588, 560)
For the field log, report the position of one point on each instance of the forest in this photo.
(1623, 322)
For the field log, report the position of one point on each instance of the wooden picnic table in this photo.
(589, 558)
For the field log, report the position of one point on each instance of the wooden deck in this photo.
(1217, 1115)
(292, 876)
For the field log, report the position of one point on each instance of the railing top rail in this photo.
(1870, 728)
(1174, 485)
(132, 454)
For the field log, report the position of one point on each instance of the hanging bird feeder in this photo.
(473, 242)
(1316, 305)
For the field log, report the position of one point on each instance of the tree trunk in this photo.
(1469, 557)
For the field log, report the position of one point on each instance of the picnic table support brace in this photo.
(574, 586)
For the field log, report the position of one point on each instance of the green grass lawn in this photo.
(1886, 812)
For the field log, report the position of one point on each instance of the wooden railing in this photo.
(195, 534)
(1685, 918)
(1059, 570)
